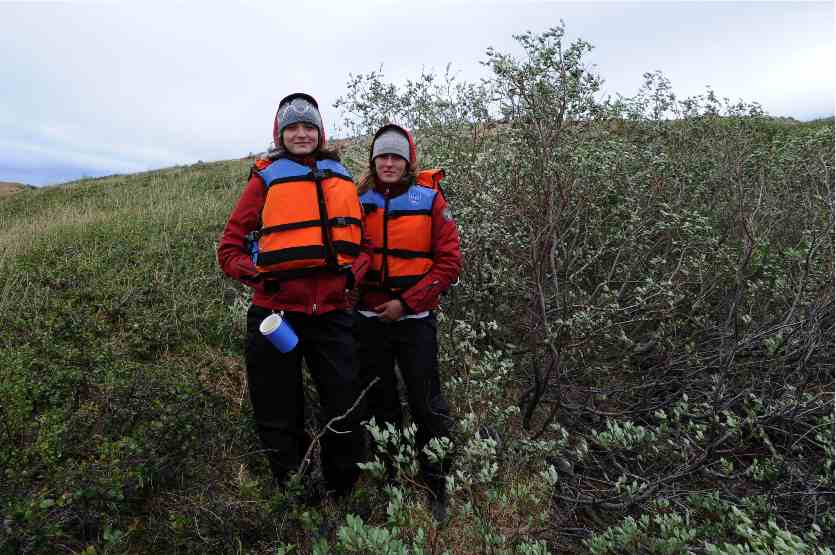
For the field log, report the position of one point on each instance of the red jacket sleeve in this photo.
(234, 258)
(447, 261)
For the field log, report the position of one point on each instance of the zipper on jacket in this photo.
(314, 308)
(384, 264)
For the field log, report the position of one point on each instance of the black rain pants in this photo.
(278, 400)
(413, 344)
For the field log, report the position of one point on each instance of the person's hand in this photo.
(351, 296)
(390, 311)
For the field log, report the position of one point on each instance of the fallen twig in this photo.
(307, 458)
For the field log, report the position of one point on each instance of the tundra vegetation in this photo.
(639, 355)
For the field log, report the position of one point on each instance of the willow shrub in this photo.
(648, 284)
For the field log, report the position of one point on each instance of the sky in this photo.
(99, 88)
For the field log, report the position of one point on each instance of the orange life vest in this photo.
(310, 219)
(431, 178)
(400, 229)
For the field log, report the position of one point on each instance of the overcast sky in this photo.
(92, 89)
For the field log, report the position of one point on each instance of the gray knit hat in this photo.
(297, 108)
(391, 142)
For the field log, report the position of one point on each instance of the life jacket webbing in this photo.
(400, 228)
(330, 253)
(346, 247)
(404, 253)
(313, 252)
(291, 253)
(372, 281)
(333, 248)
(403, 282)
(333, 222)
(290, 274)
(396, 213)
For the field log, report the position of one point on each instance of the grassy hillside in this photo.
(119, 362)
(639, 357)
(126, 419)
(8, 188)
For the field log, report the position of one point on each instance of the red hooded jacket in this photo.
(314, 294)
(446, 252)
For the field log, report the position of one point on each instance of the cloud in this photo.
(121, 88)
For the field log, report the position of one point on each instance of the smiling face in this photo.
(300, 138)
(389, 168)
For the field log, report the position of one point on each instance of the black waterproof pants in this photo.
(413, 344)
(278, 400)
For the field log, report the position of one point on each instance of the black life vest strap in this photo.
(347, 248)
(330, 252)
(342, 221)
(292, 274)
(268, 258)
(403, 253)
(312, 252)
(402, 282)
(372, 277)
(396, 213)
(371, 281)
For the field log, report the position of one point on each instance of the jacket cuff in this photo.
(251, 280)
(407, 309)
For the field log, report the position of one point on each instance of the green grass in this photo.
(125, 425)
(119, 353)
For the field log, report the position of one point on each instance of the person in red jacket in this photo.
(295, 237)
(416, 257)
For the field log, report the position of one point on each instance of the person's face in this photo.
(389, 168)
(300, 138)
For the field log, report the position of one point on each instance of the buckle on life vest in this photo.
(252, 245)
(319, 175)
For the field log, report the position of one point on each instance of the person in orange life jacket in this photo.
(416, 257)
(301, 212)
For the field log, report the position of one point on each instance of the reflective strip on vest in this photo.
(310, 220)
(401, 234)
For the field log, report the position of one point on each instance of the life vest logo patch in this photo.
(414, 197)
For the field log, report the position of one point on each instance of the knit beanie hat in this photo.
(391, 141)
(297, 108)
